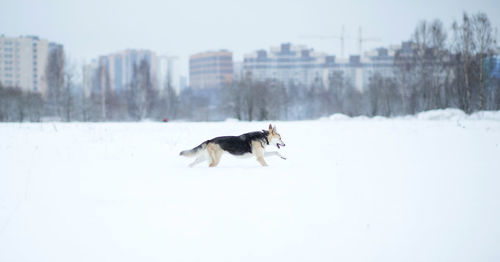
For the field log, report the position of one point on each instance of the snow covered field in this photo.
(423, 188)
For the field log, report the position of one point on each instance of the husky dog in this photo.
(248, 144)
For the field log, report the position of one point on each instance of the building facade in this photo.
(287, 64)
(23, 61)
(117, 70)
(120, 67)
(168, 72)
(211, 69)
(300, 65)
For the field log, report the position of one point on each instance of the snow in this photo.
(442, 114)
(370, 189)
(337, 117)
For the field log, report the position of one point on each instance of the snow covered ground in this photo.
(424, 188)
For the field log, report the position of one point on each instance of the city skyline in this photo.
(87, 30)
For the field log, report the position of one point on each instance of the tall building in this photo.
(182, 83)
(211, 69)
(117, 70)
(286, 63)
(300, 65)
(23, 60)
(168, 71)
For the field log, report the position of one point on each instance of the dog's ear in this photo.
(270, 127)
(274, 129)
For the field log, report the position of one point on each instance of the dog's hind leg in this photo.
(214, 154)
(216, 158)
(198, 160)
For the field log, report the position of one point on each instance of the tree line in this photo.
(437, 68)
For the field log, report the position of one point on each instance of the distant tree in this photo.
(67, 100)
(33, 104)
(464, 46)
(249, 96)
(54, 73)
(404, 68)
(484, 42)
(439, 65)
(235, 99)
(141, 95)
(168, 103)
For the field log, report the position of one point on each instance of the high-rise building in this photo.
(120, 66)
(286, 63)
(23, 61)
(300, 65)
(117, 70)
(168, 72)
(211, 69)
(182, 83)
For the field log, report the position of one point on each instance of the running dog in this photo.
(248, 144)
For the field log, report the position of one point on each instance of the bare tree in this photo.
(438, 62)
(67, 100)
(404, 66)
(465, 45)
(484, 42)
(141, 94)
(54, 73)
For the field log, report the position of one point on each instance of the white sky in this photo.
(91, 28)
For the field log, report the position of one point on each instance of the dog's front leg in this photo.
(261, 161)
(274, 153)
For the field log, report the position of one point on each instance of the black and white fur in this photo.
(248, 144)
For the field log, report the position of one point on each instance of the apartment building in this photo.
(211, 69)
(117, 70)
(23, 61)
(301, 65)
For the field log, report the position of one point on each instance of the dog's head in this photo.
(274, 137)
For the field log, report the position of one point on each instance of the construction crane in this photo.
(361, 40)
(342, 38)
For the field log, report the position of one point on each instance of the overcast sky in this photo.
(91, 28)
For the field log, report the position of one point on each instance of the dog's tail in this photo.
(195, 151)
